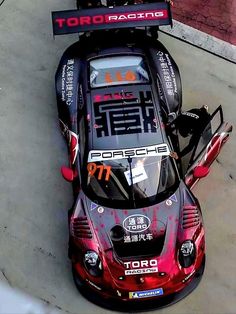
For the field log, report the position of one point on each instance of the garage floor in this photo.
(34, 198)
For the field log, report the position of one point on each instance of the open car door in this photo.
(215, 134)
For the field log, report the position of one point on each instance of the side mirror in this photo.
(200, 172)
(171, 117)
(67, 173)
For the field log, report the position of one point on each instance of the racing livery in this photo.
(136, 230)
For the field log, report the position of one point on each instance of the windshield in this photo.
(117, 70)
(130, 182)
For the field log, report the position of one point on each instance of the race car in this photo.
(136, 235)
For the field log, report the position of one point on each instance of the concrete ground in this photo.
(34, 199)
(217, 18)
(208, 24)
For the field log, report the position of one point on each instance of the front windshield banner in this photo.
(138, 152)
(76, 21)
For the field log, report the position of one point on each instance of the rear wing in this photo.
(76, 21)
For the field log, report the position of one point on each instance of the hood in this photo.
(140, 241)
(136, 232)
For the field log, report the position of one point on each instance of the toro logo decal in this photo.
(136, 223)
(141, 267)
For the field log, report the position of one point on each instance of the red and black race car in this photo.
(136, 230)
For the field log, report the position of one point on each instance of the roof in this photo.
(124, 110)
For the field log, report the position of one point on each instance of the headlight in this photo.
(187, 253)
(93, 263)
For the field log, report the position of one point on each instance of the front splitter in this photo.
(137, 305)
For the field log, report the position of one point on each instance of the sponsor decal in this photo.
(100, 210)
(141, 271)
(168, 202)
(167, 73)
(138, 174)
(93, 206)
(187, 277)
(134, 16)
(112, 96)
(173, 198)
(148, 14)
(111, 18)
(138, 237)
(137, 152)
(141, 267)
(67, 82)
(93, 285)
(136, 223)
(81, 100)
(146, 294)
(190, 114)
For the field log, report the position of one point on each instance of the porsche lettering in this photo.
(154, 150)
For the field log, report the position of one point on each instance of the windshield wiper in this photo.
(131, 182)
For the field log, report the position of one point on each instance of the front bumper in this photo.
(137, 305)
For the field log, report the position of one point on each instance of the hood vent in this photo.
(191, 216)
(80, 227)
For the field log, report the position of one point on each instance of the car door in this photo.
(206, 150)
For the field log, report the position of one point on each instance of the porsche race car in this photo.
(137, 238)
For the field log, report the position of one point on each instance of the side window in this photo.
(212, 127)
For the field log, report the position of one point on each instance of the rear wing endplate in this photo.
(76, 21)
